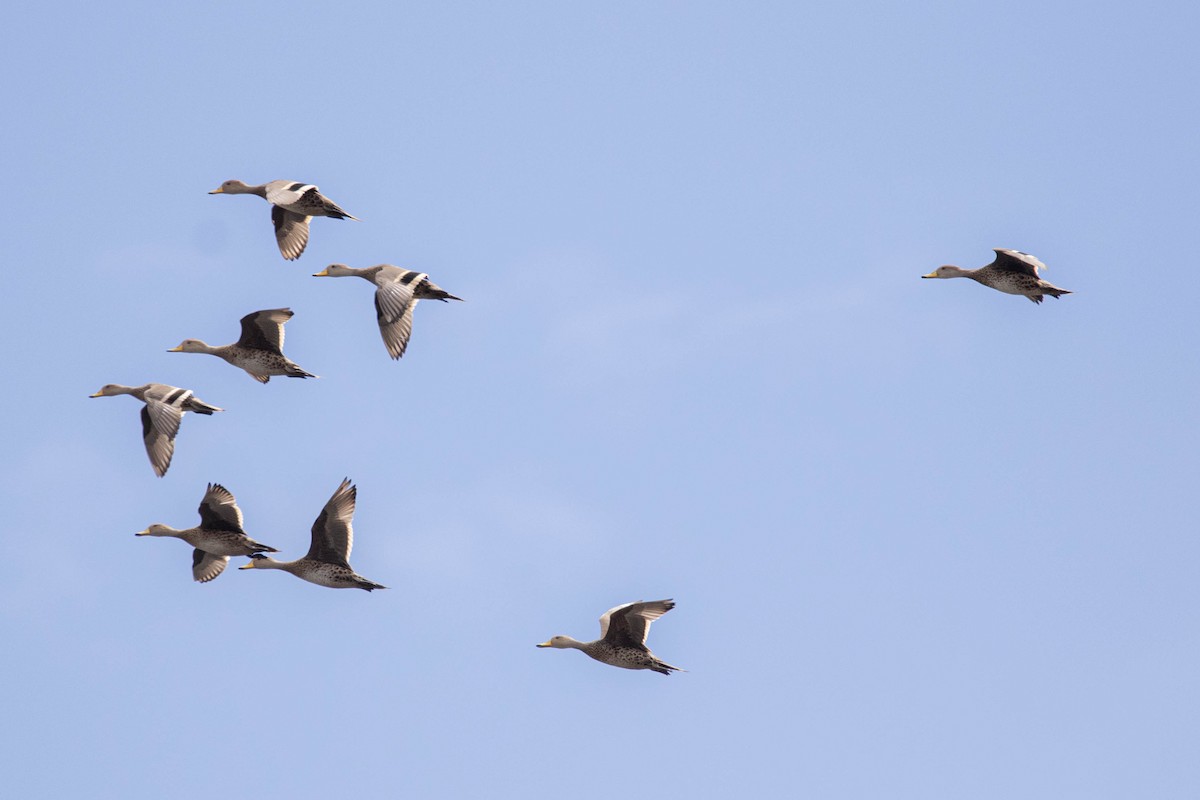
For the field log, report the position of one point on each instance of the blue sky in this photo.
(926, 539)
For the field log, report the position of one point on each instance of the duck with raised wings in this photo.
(622, 641)
(259, 351)
(218, 536)
(328, 560)
(1012, 272)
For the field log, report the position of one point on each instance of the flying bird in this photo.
(622, 641)
(1013, 272)
(293, 204)
(328, 559)
(165, 406)
(259, 351)
(396, 295)
(218, 536)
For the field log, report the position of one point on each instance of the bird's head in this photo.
(334, 271)
(189, 346)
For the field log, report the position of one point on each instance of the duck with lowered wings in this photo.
(164, 409)
(293, 204)
(397, 292)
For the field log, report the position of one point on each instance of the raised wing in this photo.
(219, 511)
(332, 533)
(291, 232)
(394, 303)
(1017, 262)
(629, 624)
(206, 566)
(263, 330)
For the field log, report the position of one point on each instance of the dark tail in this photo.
(296, 372)
(428, 290)
(369, 586)
(200, 407)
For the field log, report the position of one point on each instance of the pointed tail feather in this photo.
(200, 407)
(369, 585)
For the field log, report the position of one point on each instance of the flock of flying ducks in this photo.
(259, 352)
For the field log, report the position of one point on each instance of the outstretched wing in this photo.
(394, 303)
(332, 533)
(263, 330)
(160, 423)
(291, 232)
(206, 566)
(629, 624)
(219, 510)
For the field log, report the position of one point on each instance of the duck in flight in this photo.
(622, 641)
(164, 409)
(293, 204)
(328, 560)
(1012, 272)
(259, 351)
(218, 536)
(397, 292)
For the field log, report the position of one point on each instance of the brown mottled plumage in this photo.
(328, 560)
(259, 350)
(218, 536)
(622, 641)
(1012, 272)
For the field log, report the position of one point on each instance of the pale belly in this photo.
(218, 547)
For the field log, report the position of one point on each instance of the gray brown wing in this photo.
(206, 566)
(219, 510)
(628, 625)
(1016, 262)
(332, 533)
(291, 232)
(263, 330)
(160, 423)
(286, 193)
(394, 303)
